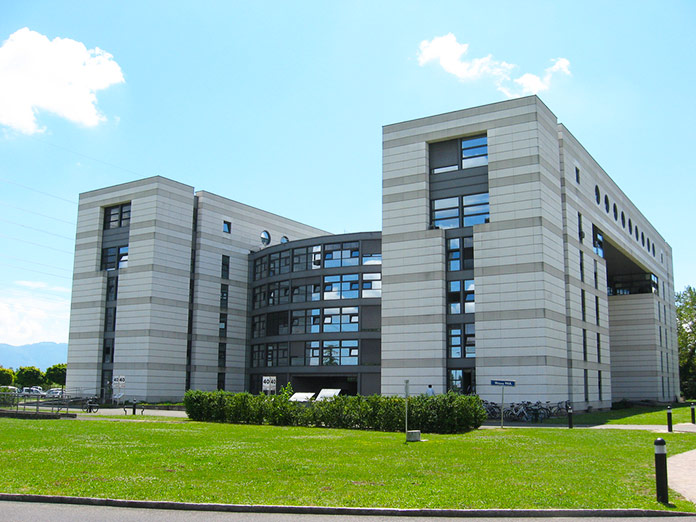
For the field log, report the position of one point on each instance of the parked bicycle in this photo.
(90, 405)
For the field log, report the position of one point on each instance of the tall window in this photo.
(225, 267)
(460, 297)
(461, 341)
(224, 294)
(117, 216)
(460, 254)
(474, 152)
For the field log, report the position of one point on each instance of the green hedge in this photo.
(445, 413)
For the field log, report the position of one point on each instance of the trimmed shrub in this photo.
(445, 413)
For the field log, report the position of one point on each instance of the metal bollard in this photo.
(693, 413)
(134, 403)
(570, 417)
(661, 471)
(669, 419)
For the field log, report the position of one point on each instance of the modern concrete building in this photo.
(506, 253)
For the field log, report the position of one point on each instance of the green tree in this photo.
(56, 374)
(29, 376)
(6, 376)
(686, 335)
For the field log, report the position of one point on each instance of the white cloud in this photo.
(449, 53)
(26, 318)
(60, 76)
(42, 285)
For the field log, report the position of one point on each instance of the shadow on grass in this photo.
(657, 415)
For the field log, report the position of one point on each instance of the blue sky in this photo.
(257, 101)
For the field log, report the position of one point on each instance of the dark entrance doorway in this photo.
(348, 384)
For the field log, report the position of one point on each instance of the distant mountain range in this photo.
(41, 355)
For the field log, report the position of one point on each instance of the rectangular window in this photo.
(225, 267)
(464, 211)
(117, 216)
(224, 291)
(461, 297)
(341, 254)
(112, 288)
(596, 279)
(260, 297)
(108, 351)
(110, 320)
(582, 267)
(260, 268)
(372, 259)
(339, 353)
(312, 351)
(274, 264)
(341, 319)
(474, 152)
(454, 261)
(258, 326)
(371, 285)
(299, 260)
(586, 389)
(345, 286)
(582, 305)
(584, 344)
(581, 234)
(476, 209)
(298, 321)
(599, 347)
(597, 241)
(577, 175)
(461, 341)
(221, 381)
(114, 257)
(227, 227)
(222, 325)
(222, 355)
(596, 301)
(285, 262)
(277, 323)
(446, 213)
(599, 384)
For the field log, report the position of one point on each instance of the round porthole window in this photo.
(265, 238)
(284, 239)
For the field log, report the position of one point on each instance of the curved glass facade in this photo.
(315, 314)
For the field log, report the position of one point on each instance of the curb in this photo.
(322, 510)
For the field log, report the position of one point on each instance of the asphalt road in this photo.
(35, 511)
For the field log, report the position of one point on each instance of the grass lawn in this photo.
(199, 462)
(634, 415)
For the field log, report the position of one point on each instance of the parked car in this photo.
(54, 393)
(34, 391)
(9, 389)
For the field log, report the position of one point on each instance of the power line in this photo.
(38, 264)
(4, 203)
(37, 230)
(36, 244)
(90, 157)
(43, 272)
(38, 191)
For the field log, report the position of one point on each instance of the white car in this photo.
(34, 391)
(55, 393)
(9, 389)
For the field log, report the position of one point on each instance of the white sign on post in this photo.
(269, 383)
(119, 381)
